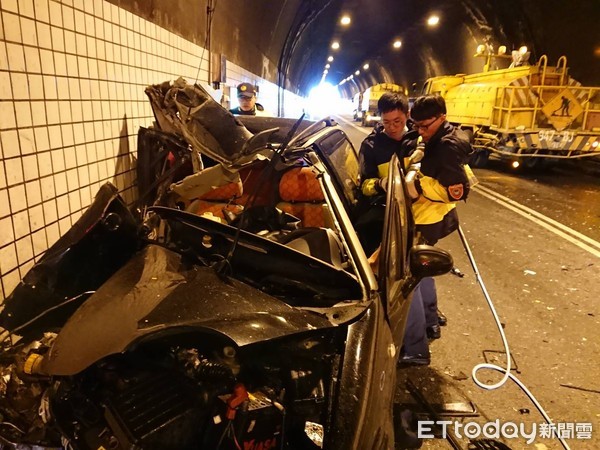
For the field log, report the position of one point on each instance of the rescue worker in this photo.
(436, 184)
(246, 95)
(388, 137)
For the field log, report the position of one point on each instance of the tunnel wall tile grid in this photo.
(72, 79)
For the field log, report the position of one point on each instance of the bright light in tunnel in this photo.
(397, 44)
(366, 66)
(345, 20)
(330, 58)
(357, 72)
(433, 20)
(335, 45)
(324, 100)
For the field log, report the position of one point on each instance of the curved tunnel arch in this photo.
(289, 43)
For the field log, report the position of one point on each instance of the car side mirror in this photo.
(426, 261)
(429, 261)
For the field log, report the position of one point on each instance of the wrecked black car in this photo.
(233, 307)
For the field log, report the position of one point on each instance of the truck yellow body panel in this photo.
(523, 112)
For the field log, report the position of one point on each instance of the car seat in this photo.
(233, 197)
(302, 197)
(218, 200)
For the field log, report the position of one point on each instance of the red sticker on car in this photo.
(456, 191)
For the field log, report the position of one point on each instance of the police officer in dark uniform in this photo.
(436, 184)
(246, 94)
(388, 137)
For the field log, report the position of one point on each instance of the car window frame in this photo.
(348, 194)
(397, 239)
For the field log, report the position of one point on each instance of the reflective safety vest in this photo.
(444, 175)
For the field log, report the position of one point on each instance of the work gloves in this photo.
(411, 179)
(412, 182)
(412, 173)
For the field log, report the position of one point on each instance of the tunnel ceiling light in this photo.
(523, 50)
(326, 71)
(433, 20)
(330, 58)
(345, 20)
(357, 72)
(335, 45)
(397, 43)
(366, 67)
(327, 66)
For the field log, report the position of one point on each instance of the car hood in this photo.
(156, 292)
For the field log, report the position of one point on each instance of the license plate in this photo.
(555, 139)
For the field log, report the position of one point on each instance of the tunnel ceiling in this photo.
(552, 27)
(288, 41)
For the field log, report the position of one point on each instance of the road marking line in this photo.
(551, 225)
(352, 124)
(559, 225)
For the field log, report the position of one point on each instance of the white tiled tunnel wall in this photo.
(72, 79)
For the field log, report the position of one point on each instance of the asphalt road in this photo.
(534, 237)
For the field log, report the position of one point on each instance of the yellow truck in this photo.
(526, 114)
(369, 115)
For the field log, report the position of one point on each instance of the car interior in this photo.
(288, 207)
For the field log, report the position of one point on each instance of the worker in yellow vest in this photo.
(436, 183)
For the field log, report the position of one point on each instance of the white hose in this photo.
(505, 371)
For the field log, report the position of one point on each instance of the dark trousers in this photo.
(422, 314)
(429, 295)
(423, 309)
(415, 337)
